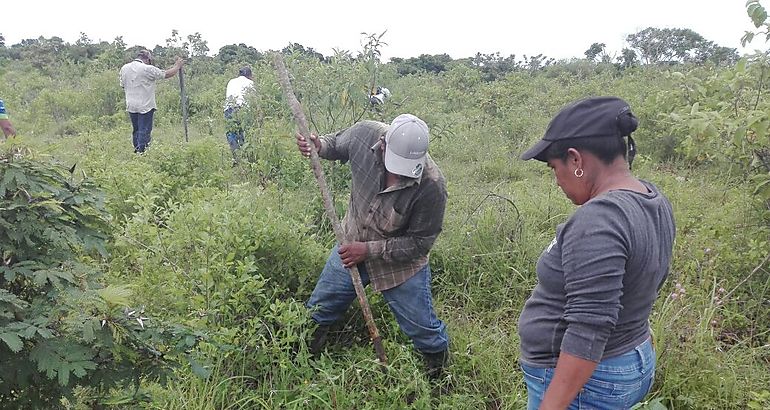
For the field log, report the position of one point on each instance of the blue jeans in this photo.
(142, 129)
(410, 302)
(617, 383)
(235, 135)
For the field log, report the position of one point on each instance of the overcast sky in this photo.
(556, 28)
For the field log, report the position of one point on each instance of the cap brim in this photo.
(398, 165)
(536, 150)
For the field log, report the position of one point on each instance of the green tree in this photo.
(494, 66)
(370, 55)
(238, 53)
(113, 54)
(536, 62)
(628, 58)
(424, 63)
(594, 51)
(758, 16)
(40, 52)
(198, 47)
(300, 49)
(655, 46)
(84, 50)
(175, 46)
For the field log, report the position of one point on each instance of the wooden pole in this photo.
(184, 102)
(315, 163)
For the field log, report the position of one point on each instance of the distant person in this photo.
(235, 99)
(396, 211)
(5, 122)
(138, 78)
(585, 330)
(379, 96)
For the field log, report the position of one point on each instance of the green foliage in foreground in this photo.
(59, 325)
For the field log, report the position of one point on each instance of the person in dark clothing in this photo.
(585, 337)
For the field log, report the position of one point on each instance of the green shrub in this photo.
(60, 327)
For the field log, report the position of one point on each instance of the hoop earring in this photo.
(579, 172)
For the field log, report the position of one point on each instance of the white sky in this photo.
(556, 28)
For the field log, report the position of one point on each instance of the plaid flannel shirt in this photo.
(399, 223)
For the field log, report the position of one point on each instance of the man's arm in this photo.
(171, 71)
(332, 146)
(424, 226)
(304, 147)
(7, 127)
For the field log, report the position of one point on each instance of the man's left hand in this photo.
(353, 253)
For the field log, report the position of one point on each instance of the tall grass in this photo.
(235, 251)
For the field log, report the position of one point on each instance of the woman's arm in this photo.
(571, 374)
(595, 245)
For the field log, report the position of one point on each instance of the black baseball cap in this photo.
(245, 71)
(591, 117)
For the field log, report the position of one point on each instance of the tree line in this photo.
(650, 46)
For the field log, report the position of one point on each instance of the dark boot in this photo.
(319, 339)
(435, 363)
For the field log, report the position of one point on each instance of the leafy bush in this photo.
(59, 326)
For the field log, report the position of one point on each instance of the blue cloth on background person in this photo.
(3, 113)
(235, 133)
(141, 129)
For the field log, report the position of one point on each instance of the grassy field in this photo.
(233, 251)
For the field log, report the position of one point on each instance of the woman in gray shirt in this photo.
(585, 338)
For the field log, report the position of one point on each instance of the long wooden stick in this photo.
(315, 163)
(184, 102)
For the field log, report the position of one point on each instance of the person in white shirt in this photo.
(235, 99)
(138, 79)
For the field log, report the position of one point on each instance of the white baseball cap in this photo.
(406, 145)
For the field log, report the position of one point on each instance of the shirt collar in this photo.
(403, 182)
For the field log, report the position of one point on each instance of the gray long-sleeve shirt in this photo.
(598, 279)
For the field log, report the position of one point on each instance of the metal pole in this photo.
(184, 102)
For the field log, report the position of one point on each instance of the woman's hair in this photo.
(607, 149)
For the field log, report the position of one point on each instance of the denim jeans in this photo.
(617, 383)
(142, 129)
(235, 137)
(410, 302)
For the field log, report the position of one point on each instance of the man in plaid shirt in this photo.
(396, 211)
